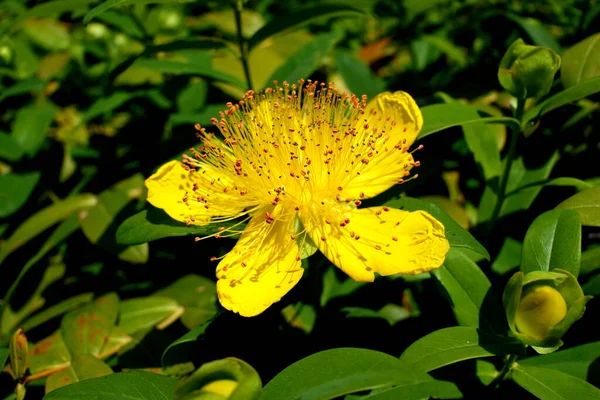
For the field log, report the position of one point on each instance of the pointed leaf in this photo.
(145, 312)
(587, 205)
(550, 384)
(575, 361)
(15, 190)
(581, 61)
(82, 367)
(108, 4)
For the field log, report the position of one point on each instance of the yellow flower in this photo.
(296, 162)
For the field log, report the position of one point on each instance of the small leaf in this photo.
(153, 224)
(15, 189)
(56, 310)
(193, 97)
(437, 117)
(579, 91)
(581, 61)
(44, 219)
(536, 32)
(587, 205)
(546, 383)
(130, 385)
(486, 372)
(590, 260)
(106, 105)
(10, 149)
(301, 316)
(49, 354)
(18, 354)
(302, 17)
(172, 354)
(108, 4)
(48, 33)
(333, 373)
(509, 257)
(357, 75)
(575, 361)
(29, 85)
(450, 345)
(333, 288)
(392, 313)
(83, 367)
(470, 292)
(306, 60)
(30, 127)
(553, 241)
(146, 312)
(457, 236)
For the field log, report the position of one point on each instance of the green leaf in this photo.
(306, 60)
(536, 32)
(587, 204)
(333, 288)
(581, 61)
(30, 127)
(392, 313)
(47, 33)
(22, 87)
(201, 117)
(301, 316)
(470, 293)
(108, 4)
(455, 54)
(590, 260)
(357, 75)
(130, 385)
(153, 224)
(85, 331)
(302, 17)
(575, 361)
(574, 182)
(50, 353)
(197, 294)
(10, 150)
(3, 356)
(579, 91)
(82, 367)
(44, 219)
(486, 372)
(437, 117)
(553, 241)
(56, 310)
(18, 350)
(146, 312)
(193, 97)
(450, 345)
(333, 373)
(550, 384)
(106, 105)
(184, 344)
(457, 236)
(426, 387)
(57, 7)
(15, 189)
(509, 257)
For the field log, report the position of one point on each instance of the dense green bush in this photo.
(106, 296)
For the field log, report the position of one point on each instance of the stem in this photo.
(508, 364)
(516, 132)
(239, 7)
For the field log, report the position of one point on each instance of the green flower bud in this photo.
(96, 30)
(528, 71)
(542, 305)
(229, 378)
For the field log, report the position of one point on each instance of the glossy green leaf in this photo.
(437, 117)
(451, 345)
(144, 313)
(10, 149)
(333, 288)
(182, 346)
(456, 235)
(15, 189)
(470, 293)
(305, 61)
(44, 219)
(153, 224)
(553, 241)
(31, 124)
(590, 260)
(425, 387)
(357, 75)
(197, 294)
(56, 310)
(550, 384)
(333, 373)
(486, 372)
(576, 361)
(130, 385)
(581, 61)
(579, 91)
(509, 257)
(108, 4)
(587, 204)
(85, 331)
(303, 17)
(50, 353)
(82, 367)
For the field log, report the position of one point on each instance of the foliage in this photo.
(105, 296)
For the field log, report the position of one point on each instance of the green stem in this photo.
(508, 364)
(239, 7)
(516, 133)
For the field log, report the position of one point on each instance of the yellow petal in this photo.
(397, 120)
(171, 185)
(262, 267)
(364, 241)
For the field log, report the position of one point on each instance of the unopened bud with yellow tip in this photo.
(542, 305)
(528, 71)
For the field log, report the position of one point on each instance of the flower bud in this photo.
(542, 305)
(528, 71)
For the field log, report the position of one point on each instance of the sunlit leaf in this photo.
(82, 367)
(581, 61)
(545, 383)
(108, 4)
(587, 204)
